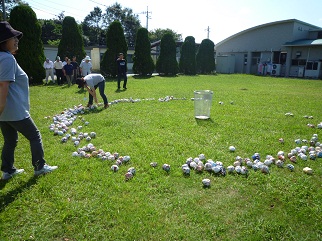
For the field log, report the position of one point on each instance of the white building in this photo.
(283, 48)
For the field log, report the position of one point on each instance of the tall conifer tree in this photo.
(142, 60)
(71, 43)
(206, 57)
(167, 62)
(30, 54)
(115, 44)
(187, 61)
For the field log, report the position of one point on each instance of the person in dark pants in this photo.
(76, 69)
(121, 71)
(68, 72)
(91, 82)
(58, 66)
(14, 108)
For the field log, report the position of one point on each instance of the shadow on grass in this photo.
(119, 90)
(144, 77)
(207, 122)
(94, 111)
(81, 91)
(11, 196)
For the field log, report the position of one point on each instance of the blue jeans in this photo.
(28, 129)
(101, 87)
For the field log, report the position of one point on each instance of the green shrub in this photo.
(30, 55)
(143, 62)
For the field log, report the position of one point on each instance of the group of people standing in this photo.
(68, 70)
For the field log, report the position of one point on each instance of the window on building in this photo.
(256, 57)
(320, 35)
(298, 62)
(279, 57)
(311, 65)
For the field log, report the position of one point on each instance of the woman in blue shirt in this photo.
(14, 108)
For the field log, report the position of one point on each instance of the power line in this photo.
(44, 11)
(68, 6)
(98, 3)
(43, 8)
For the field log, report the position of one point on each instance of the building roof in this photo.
(304, 42)
(266, 25)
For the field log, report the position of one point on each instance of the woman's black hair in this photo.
(80, 82)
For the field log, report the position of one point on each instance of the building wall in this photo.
(51, 53)
(265, 44)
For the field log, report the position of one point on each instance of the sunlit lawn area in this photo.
(85, 200)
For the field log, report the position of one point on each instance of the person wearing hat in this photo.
(86, 66)
(49, 67)
(91, 82)
(14, 108)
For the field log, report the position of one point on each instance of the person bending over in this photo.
(91, 82)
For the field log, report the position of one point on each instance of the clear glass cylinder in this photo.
(202, 103)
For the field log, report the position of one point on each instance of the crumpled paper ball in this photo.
(166, 167)
(308, 170)
(206, 182)
(114, 168)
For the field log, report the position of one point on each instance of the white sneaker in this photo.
(45, 169)
(6, 175)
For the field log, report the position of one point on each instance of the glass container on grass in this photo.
(202, 103)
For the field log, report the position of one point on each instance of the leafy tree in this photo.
(187, 63)
(143, 63)
(31, 50)
(93, 27)
(130, 21)
(157, 34)
(115, 43)
(9, 5)
(71, 43)
(51, 31)
(206, 57)
(167, 63)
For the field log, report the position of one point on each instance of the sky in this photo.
(213, 19)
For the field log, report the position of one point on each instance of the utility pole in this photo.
(208, 31)
(4, 11)
(147, 17)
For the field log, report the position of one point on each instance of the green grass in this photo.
(85, 200)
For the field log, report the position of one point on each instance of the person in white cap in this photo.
(49, 67)
(14, 108)
(86, 66)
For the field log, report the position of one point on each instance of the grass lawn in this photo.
(85, 200)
